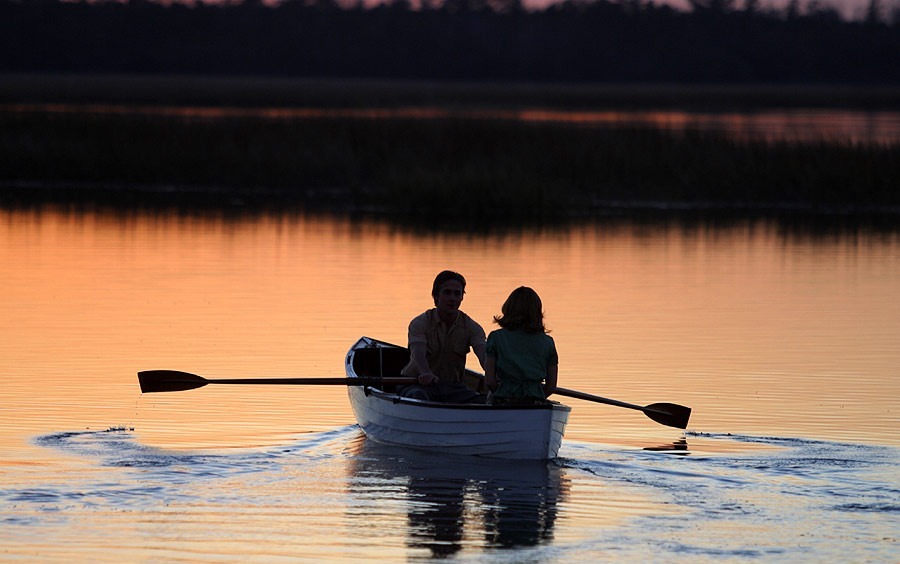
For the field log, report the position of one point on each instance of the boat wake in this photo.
(789, 499)
(117, 447)
(782, 499)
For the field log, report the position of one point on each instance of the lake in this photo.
(783, 340)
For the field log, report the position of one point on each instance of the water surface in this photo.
(782, 341)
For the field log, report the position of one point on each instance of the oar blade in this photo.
(670, 414)
(169, 381)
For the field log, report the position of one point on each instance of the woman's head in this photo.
(522, 310)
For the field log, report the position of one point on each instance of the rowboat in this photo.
(533, 432)
(373, 368)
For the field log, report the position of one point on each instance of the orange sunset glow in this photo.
(218, 219)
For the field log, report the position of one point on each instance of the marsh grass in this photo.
(212, 91)
(471, 170)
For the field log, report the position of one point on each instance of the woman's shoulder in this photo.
(540, 340)
(505, 332)
(544, 337)
(498, 333)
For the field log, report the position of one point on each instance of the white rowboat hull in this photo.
(529, 432)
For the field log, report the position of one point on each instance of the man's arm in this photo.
(477, 340)
(490, 373)
(479, 352)
(417, 352)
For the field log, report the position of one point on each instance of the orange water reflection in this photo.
(761, 332)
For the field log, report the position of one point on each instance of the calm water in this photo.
(784, 343)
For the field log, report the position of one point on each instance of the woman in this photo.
(521, 363)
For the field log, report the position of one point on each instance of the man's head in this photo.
(448, 291)
(443, 277)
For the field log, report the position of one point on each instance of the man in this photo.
(439, 341)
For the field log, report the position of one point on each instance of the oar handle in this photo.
(590, 397)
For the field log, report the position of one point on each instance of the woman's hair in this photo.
(522, 310)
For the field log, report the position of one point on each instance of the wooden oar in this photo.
(176, 381)
(669, 414)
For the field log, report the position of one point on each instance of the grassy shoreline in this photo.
(472, 171)
(213, 91)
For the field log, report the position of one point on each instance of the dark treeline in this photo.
(575, 41)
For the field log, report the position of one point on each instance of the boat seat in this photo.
(377, 362)
(380, 362)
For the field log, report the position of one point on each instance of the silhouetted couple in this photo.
(520, 361)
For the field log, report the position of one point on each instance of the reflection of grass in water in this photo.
(468, 169)
(332, 93)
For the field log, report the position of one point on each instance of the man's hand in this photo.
(428, 379)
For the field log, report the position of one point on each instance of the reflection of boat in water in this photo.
(522, 432)
(453, 501)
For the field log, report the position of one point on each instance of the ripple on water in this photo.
(787, 499)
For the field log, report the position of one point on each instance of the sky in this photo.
(849, 9)
(853, 9)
